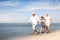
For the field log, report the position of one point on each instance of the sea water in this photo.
(9, 30)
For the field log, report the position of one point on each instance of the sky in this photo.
(19, 11)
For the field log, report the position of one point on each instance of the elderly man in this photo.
(34, 20)
(48, 21)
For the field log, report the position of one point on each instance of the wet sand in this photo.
(55, 35)
(45, 36)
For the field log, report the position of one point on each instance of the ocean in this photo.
(10, 30)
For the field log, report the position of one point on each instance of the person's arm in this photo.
(40, 21)
(30, 20)
(45, 22)
(51, 20)
(37, 19)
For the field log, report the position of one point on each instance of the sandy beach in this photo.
(50, 36)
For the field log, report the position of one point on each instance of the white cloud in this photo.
(12, 18)
(8, 3)
(33, 6)
(10, 14)
(38, 6)
(28, 9)
(6, 18)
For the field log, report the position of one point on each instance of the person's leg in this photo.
(40, 30)
(45, 29)
(48, 28)
(34, 28)
(42, 26)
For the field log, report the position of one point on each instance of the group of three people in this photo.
(45, 22)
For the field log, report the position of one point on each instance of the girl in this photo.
(43, 24)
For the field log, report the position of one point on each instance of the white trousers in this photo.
(48, 25)
(34, 26)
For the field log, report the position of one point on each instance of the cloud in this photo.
(12, 18)
(25, 9)
(6, 14)
(32, 6)
(6, 17)
(49, 7)
(28, 9)
(8, 3)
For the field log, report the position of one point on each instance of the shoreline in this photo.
(49, 36)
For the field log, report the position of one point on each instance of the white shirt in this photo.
(34, 20)
(48, 19)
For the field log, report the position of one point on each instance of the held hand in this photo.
(37, 22)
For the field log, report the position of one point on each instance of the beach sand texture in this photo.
(50, 36)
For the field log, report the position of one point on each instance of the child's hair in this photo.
(42, 18)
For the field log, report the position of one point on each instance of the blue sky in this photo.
(19, 11)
